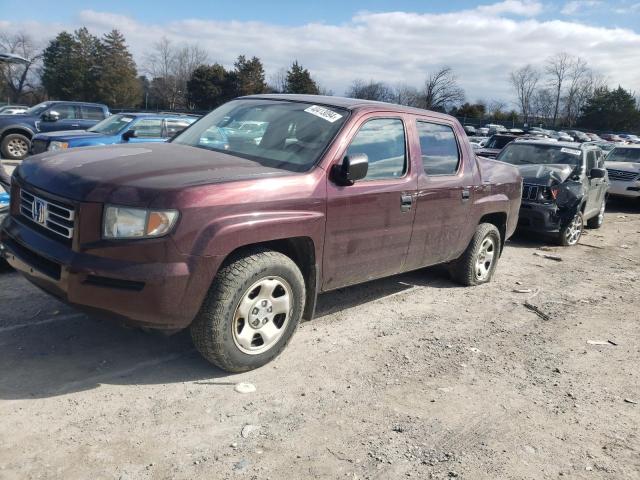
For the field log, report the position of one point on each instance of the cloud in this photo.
(579, 6)
(482, 45)
(628, 9)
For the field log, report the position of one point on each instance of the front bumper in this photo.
(539, 217)
(161, 292)
(624, 189)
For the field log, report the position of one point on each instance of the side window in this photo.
(148, 128)
(92, 113)
(67, 112)
(440, 155)
(591, 160)
(382, 140)
(174, 126)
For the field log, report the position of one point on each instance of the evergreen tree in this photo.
(117, 83)
(60, 77)
(299, 80)
(613, 110)
(87, 53)
(209, 87)
(249, 76)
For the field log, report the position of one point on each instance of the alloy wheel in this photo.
(484, 260)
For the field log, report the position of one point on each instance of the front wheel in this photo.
(15, 146)
(251, 311)
(478, 262)
(571, 232)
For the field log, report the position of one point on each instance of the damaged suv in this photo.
(564, 186)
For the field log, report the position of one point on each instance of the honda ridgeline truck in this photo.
(236, 242)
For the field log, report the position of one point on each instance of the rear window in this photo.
(624, 155)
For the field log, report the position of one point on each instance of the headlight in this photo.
(53, 146)
(125, 222)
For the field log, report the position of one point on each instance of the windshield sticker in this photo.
(127, 119)
(570, 150)
(324, 113)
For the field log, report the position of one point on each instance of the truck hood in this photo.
(625, 166)
(545, 174)
(68, 135)
(134, 175)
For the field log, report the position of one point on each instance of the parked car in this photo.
(623, 165)
(594, 137)
(4, 204)
(470, 130)
(13, 109)
(120, 128)
(577, 135)
(495, 144)
(564, 187)
(236, 244)
(478, 142)
(611, 137)
(561, 136)
(16, 131)
(629, 138)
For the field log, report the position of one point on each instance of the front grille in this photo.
(622, 175)
(53, 216)
(38, 146)
(530, 192)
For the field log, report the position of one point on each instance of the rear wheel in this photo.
(571, 232)
(251, 311)
(478, 262)
(15, 146)
(598, 220)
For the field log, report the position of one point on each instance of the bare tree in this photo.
(406, 95)
(19, 78)
(524, 81)
(371, 90)
(278, 81)
(170, 68)
(441, 90)
(557, 67)
(542, 104)
(578, 84)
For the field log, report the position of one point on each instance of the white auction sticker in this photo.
(570, 150)
(325, 113)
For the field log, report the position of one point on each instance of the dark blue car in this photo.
(16, 131)
(120, 128)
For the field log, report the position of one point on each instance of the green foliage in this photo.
(60, 76)
(299, 80)
(470, 110)
(248, 76)
(209, 87)
(612, 110)
(117, 82)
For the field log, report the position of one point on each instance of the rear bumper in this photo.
(539, 217)
(162, 295)
(624, 189)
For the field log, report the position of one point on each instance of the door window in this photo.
(383, 141)
(148, 128)
(440, 154)
(174, 126)
(92, 113)
(66, 112)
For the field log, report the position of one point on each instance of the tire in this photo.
(240, 311)
(598, 220)
(15, 146)
(468, 270)
(571, 232)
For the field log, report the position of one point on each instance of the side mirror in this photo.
(597, 173)
(51, 116)
(129, 134)
(352, 168)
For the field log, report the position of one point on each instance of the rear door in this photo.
(369, 223)
(442, 227)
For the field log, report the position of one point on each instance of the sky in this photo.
(398, 41)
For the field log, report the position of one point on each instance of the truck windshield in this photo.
(274, 133)
(624, 155)
(527, 154)
(112, 125)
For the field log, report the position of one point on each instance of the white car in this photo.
(623, 166)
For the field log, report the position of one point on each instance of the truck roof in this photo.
(347, 103)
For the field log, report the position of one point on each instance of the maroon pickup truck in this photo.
(236, 226)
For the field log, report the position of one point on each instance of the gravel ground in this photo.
(406, 377)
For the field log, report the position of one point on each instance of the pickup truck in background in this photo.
(236, 241)
(16, 131)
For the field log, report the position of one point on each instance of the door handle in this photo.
(75, 124)
(406, 201)
(466, 194)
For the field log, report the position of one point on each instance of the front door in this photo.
(69, 119)
(369, 223)
(596, 186)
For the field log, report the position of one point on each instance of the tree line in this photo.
(563, 91)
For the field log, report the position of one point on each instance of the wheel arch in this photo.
(19, 129)
(499, 219)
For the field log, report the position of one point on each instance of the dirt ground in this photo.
(406, 377)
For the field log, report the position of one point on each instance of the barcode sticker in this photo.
(324, 113)
(570, 150)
